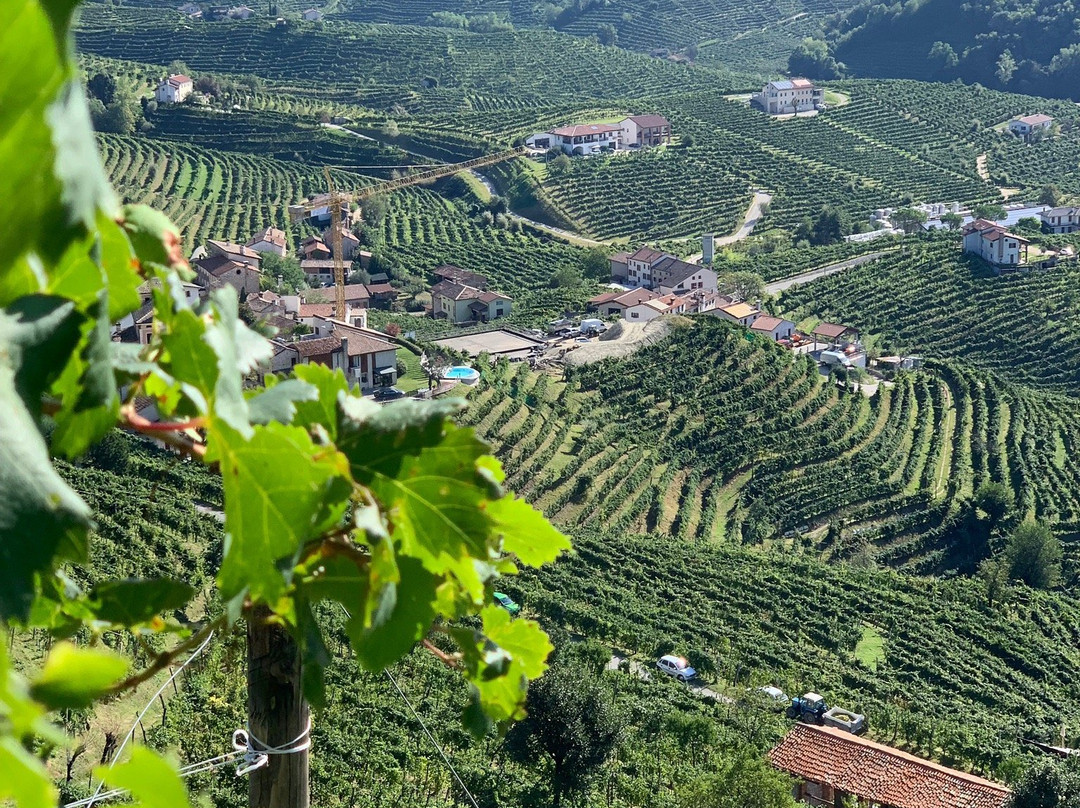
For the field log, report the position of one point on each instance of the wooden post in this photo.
(277, 714)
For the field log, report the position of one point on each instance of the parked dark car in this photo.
(388, 394)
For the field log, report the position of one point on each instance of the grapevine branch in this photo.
(166, 658)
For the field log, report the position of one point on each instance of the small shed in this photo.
(835, 332)
(831, 765)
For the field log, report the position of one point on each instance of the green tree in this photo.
(994, 574)
(1034, 555)
(1048, 784)
(830, 226)
(572, 724)
(995, 500)
(607, 34)
(102, 86)
(989, 210)
(953, 221)
(745, 780)
(1050, 195)
(595, 264)
(560, 164)
(908, 219)
(743, 285)
(942, 56)
(1005, 68)
(274, 266)
(566, 277)
(811, 58)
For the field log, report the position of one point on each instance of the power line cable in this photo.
(427, 732)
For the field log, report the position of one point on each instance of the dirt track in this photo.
(622, 339)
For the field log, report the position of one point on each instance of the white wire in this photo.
(131, 732)
(427, 732)
(250, 756)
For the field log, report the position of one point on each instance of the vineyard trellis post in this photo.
(278, 715)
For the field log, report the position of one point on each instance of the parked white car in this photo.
(677, 667)
(775, 693)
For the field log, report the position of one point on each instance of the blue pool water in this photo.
(461, 373)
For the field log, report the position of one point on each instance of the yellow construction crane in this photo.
(335, 246)
(335, 201)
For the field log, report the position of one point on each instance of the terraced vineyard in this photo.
(711, 436)
(211, 194)
(423, 230)
(272, 135)
(958, 682)
(929, 298)
(424, 69)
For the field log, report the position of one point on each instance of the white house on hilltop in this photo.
(790, 96)
(994, 244)
(636, 131)
(312, 15)
(1026, 126)
(174, 89)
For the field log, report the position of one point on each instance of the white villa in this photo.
(994, 244)
(790, 96)
(312, 15)
(174, 89)
(634, 132)
(653, 269)
(1026, 126)
(1061, 220)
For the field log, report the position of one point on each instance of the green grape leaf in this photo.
(323, 410)
(281, 490)
(278, 402)
(316, 656)
(118, 263)
(31, 72)
(25, 779)
(152, 782)
(423, 471)
(130, 602)
(154, 238)
(87, 388)
(40, 516)
(499, 662)
(74, 677)
(525, 531)
(402, 614)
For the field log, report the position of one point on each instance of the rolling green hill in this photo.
(712, 436)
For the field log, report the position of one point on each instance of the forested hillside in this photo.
(1030, 46)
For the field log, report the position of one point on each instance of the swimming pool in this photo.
(462, 374)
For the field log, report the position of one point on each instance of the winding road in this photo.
(812, 275)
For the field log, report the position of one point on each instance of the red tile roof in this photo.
(649, 121)
(585, 129)
(879, 773)
(765, 323)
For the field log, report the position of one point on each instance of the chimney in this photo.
(707, 249)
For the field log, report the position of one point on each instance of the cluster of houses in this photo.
(633, 132)
(194, 11)
(308, 328)
(790, 97)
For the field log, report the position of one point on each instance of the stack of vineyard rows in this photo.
(710, 435)
(835, 164)
(794, 622)
(424, 230)
(654, 194)
(440, 65)
(211, 194)
(270, 135)
(932, 299)
(954, 122)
